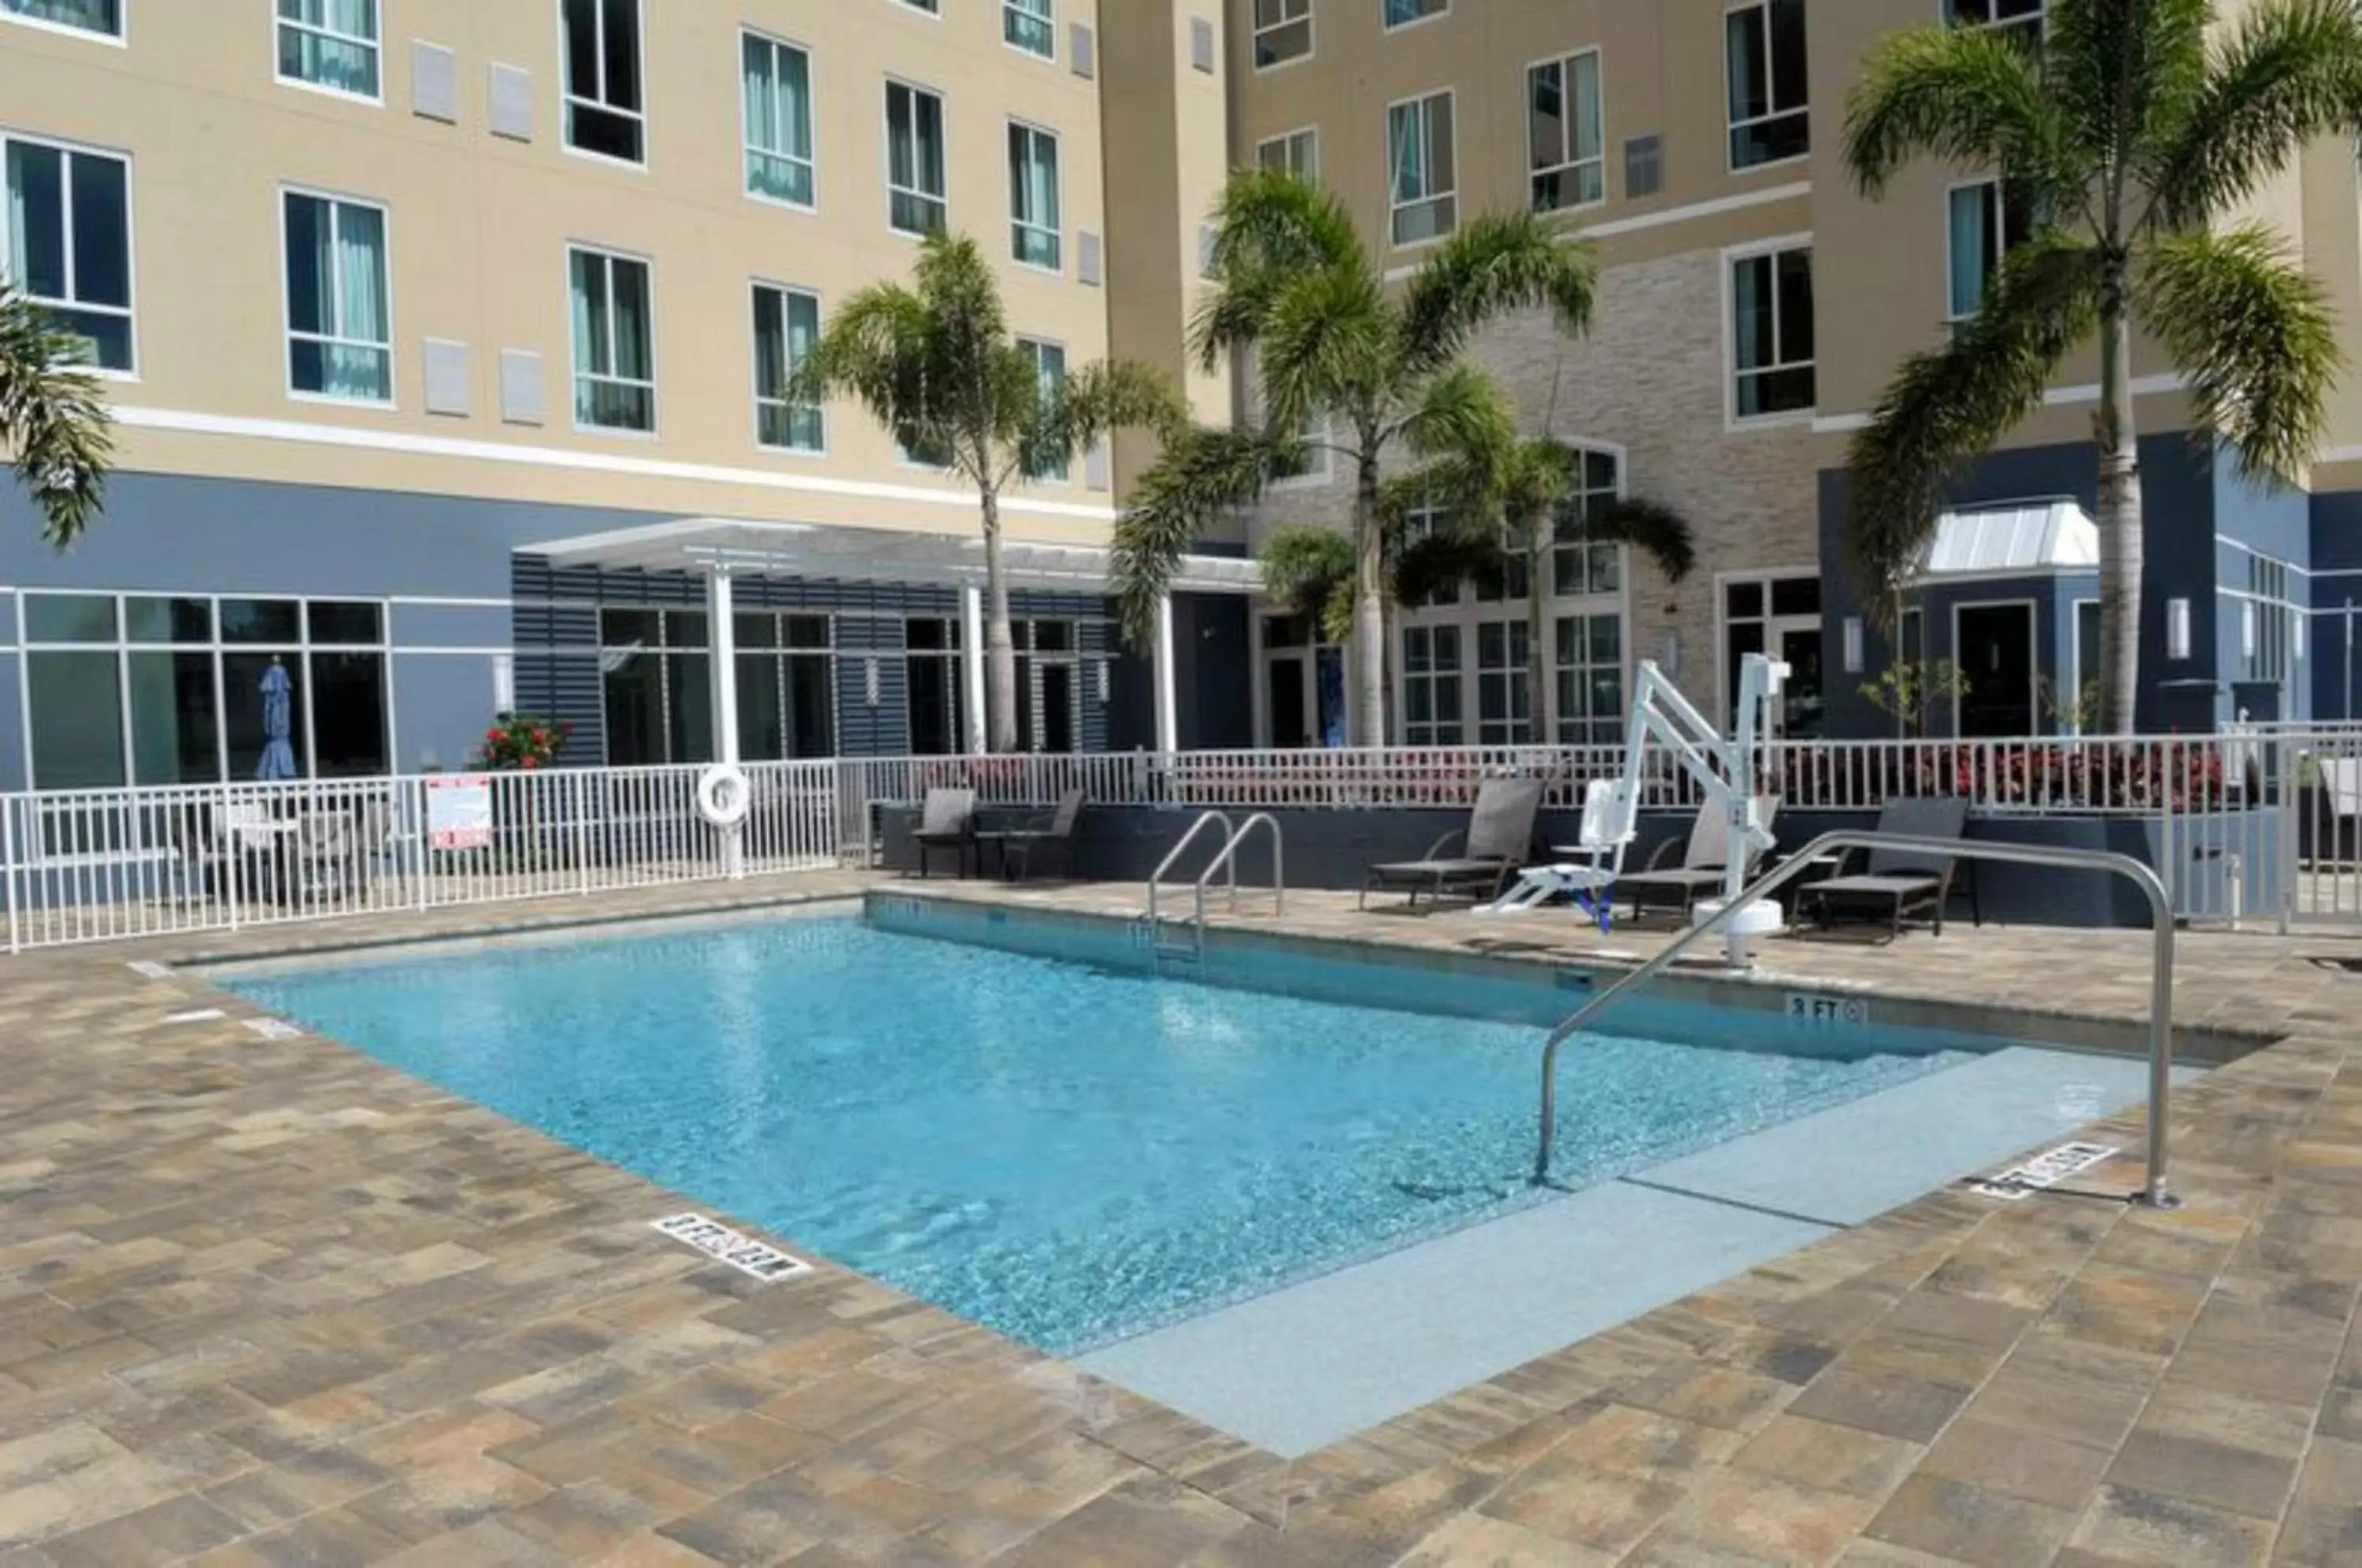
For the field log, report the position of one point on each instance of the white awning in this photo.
(2022, 540)
(869, 555)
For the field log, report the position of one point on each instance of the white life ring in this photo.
(722, 795)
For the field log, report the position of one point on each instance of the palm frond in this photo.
(1272, 219)
(1327, 342)
(2253, 334)
(1462, 413)
(1651, 527)
(1961, 95)
(1202, 473)
(2293, 71)
(1095, 401)
(1494, 265)
(1947, 405)
(1426, 566)
(1305, 567)
(54, 427)
(2121, 69)
(1453, 491)
(877, 349)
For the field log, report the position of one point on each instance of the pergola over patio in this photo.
(721, 547)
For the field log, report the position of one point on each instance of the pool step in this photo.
(1157, 935)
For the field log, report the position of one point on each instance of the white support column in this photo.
(972, 668)
(1168, 703)
(722, 639)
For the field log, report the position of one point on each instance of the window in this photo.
(1297, 153)
(68, 243)
(330, 44)
(150, 689)
(339, 316)
(777, 89)
(1589, 666)
(914, 159)
(104, 17)
(1504, 702)
(786, 324)
(1987, 221)
(1420, 155)
(1565, 132)
(1580, 566)
(1283, 31)
(614, 359)
(931, 666)
(2086, 673)
(1772, 332)
(1778, 614)
(932, 8)
(787, 686)
(1031, 26)
(1049, 686)
(1403, 12)
(2264, 620)
(1033, 230)
(1431, 714)
(656, 686)
(605, 111)
(2018, 18)
(1050, 365)
(1763, 47)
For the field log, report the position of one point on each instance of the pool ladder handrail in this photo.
(1225, 862)
(2153, 1190)
(1157, 878)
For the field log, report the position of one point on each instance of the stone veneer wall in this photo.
(1649, 379)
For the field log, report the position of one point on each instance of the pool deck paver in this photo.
(265, 1302)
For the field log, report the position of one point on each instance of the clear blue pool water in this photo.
(1067, 1154)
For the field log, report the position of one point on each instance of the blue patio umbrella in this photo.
(278, 724)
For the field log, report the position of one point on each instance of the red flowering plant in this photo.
(522, 743)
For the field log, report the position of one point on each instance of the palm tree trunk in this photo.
(1541, 688)
(1369, 650)
(1000, 650)
(2120, 512)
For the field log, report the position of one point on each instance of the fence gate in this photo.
(2321, 838)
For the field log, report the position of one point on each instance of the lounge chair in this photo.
(1705, 859)
(1500, 832)
(947, 820)
(1056, 838)
(1897, 882)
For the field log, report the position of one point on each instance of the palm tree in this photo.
(2130, 136)
(934, 363)
(1504, 509)
(54, 419)
(1369, 370)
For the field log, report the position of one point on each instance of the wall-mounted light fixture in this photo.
(2297, 619)
(2247, 629)
(2177, 628)
(870, 680)
(1104, 682)
(1853, 645)
(1669, 655)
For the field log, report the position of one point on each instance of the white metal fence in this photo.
(96, 866)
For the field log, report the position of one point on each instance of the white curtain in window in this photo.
(97, 15)
(356, 370)
(1971, 249)
(1409, 150)
(347, 60)
(778, 121)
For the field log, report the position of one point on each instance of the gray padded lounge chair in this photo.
(1705, 856)
(1499, 833)
(1896, 882)
(946, 821)
(1055, 838)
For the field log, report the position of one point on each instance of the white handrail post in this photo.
(8, 807)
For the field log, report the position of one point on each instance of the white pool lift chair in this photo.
(1608, 825)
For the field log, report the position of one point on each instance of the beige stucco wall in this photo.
(479, 227)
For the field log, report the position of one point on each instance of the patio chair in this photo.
(1706, 862)
(947, 820)
(1494, 846)
(1897, 882)
(1054, 839)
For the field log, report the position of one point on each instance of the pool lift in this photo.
(1724, 771)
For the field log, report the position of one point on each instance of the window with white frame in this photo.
(615, 341)
(935, 693)
(786, 685)
(329, 44)
(916, 201)
(776, 80)
(1031, 26)
(1036, 236)
(1050, 368)
(1403, 12)
(1984, 222)
(1772, 332)
(932, 8)
(152, 690)
(786, 324)
(2017, 17)
(1580, 565)
(1419, 525)
(339, 304)
(104, 17)
(1763, 55)
(1297, 152)
(67, 242)
(606, 107)
(1282, 32)
(1422, 169)
(1566, 133)
(1431, 694)
(1588, 663)
(1504, 699)
(2265, 618)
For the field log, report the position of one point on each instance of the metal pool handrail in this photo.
(1229, 858)
(1230, 834)
(2160, 1028)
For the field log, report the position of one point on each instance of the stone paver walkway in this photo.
(266, 1302)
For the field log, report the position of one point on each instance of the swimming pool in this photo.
(1070, 1152)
